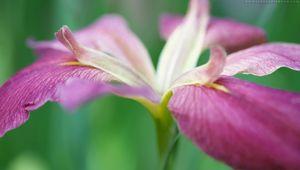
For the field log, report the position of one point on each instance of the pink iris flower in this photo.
(245, 125)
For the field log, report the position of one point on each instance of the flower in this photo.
(248, 126)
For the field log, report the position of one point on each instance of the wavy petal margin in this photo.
(263, 59)
(37, 84)
(248, 127)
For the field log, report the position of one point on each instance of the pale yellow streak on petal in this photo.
(75, 63)
(218, 87)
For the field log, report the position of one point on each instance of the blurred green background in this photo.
(113, 133)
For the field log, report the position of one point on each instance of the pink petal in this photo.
(232, 35)
(37, 84)
(111, 35)
(263, 59)
(250, 127)
(78, 91)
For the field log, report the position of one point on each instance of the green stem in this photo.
(167, 134)
(167, 162)
(166, 130)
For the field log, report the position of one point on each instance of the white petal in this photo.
(185, 45)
